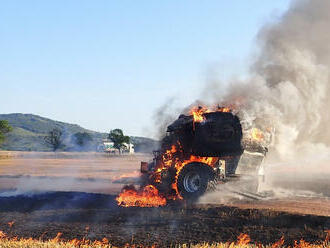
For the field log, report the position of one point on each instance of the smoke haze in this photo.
(287, 89)
(289, 81)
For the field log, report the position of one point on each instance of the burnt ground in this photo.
(292, 212)
(44, 215)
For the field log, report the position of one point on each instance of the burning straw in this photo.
(243, 241)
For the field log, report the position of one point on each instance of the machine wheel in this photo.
(193, 180)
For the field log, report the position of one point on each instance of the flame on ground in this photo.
(57, 241)
(279, 243)
(243, 240)
(147, 197)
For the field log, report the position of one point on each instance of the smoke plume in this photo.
(289, 84)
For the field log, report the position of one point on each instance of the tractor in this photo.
(201, 151)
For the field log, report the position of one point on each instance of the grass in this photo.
(242, 242)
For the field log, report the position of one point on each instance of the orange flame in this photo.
(257, 134)
(179, 166)
(243, 239)
(57, 238)
(197, 113)
(279, 243)
(224, 109)
(147, 197)
(301, 244)
(327, 238)
(3, 235)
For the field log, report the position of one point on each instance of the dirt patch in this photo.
(87, 172)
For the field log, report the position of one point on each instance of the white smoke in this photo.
(289, 84)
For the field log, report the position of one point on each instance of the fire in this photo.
(198, 112)
(173, 158)
(257, 134)
(224, 109)
(206, 160)
(279, 243)
(179, 166)
(58, 237)
(327, 239)
(243, 239)
(168, 157)
(147, 197)
(169, 160)
(57, 241)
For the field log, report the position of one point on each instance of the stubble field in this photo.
(43, 194)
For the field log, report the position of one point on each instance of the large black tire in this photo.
(193, 180)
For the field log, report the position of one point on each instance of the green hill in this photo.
(29, 131)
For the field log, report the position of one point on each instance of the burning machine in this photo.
(199, 151)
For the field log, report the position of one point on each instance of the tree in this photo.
(118, 138)
(83, 140)
(54, 139)
(4, 128)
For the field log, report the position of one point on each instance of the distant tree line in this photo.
(82, 139)
(56, 139)
(4, 129)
